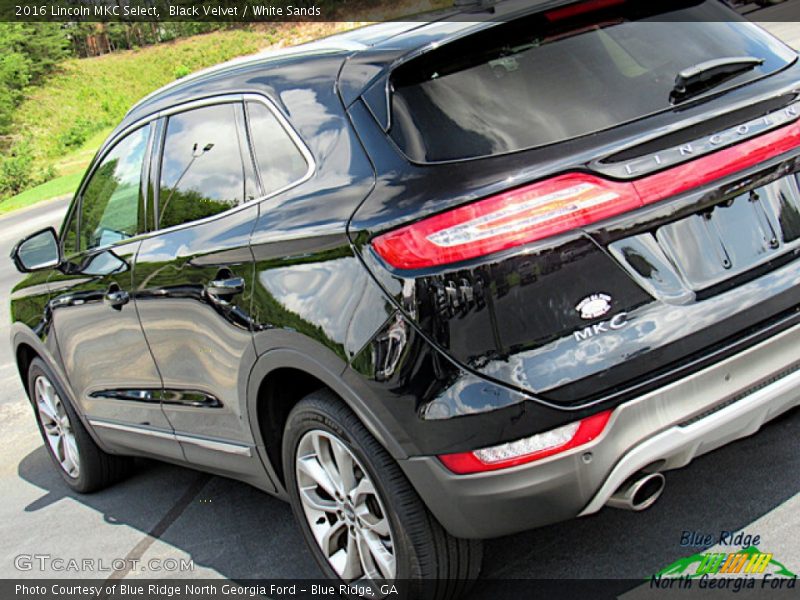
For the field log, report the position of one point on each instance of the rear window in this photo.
(548, 78)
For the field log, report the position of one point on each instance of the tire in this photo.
(85, 467)
(428, 562)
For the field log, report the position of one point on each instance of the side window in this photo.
(111, 205)
(280, 162)
(202, 171)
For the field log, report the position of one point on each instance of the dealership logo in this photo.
(742, 566)
(747, 561)
(594, 306)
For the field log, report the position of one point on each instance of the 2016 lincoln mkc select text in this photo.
(434, 282)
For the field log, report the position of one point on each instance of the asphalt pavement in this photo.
(217, 528)
(13, 227)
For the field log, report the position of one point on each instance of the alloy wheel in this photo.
(343, 509)
(57, 427)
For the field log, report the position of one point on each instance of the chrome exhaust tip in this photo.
(639, 492)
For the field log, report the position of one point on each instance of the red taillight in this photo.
(558, 205)
(526, 450)
(510, 219)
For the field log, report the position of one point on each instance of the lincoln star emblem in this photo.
(594, 306)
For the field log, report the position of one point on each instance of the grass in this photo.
(66, 184)
(78, 160)
(71, 168)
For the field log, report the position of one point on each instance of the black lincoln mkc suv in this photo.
(434, 282)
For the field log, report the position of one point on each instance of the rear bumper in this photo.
(664, 429)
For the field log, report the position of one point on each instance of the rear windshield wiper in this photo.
(705, 75)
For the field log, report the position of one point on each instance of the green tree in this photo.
(28, 52)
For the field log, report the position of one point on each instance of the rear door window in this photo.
(559, 75)
(203, 170)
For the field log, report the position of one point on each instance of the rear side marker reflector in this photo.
(530, 449)
(561, 204)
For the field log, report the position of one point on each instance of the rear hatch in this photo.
(591, 204)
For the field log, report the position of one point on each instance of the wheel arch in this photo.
(270, 400)
(27, 346)
(25, 355)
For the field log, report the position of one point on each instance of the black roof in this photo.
(356, 60)
(318, 53)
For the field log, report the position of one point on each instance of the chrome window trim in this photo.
(228, 99)
(187, 106)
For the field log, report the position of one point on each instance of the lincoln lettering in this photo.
(688, 150)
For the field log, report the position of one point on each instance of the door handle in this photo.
(116, 298)
(225, 289)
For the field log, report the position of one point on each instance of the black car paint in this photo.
(402, 349)
(570, 267)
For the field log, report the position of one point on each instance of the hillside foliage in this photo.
(63, 86)
(55, 106)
